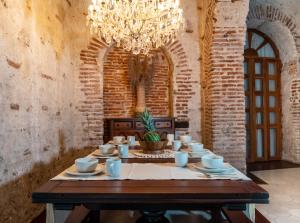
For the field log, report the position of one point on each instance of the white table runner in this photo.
(133, 153)
(155, 171)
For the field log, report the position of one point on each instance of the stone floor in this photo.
(284, 188)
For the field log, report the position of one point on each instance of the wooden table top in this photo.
(128, 194)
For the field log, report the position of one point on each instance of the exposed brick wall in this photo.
(270, 13)
(222, 80)
(295, 111)
(95, 70)
(206, 41)
(118, 95)
(91, 84)
(158, 93)
(183, 89)
(228, 111)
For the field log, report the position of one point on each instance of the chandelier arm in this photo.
(137, 26)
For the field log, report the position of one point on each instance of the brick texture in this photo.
(120, 96)
(271, 13)
(106, 91)
(295, 111)
(223, 114)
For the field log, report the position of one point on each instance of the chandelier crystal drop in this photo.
(136, 25)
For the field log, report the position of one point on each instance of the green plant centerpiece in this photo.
(152, 142)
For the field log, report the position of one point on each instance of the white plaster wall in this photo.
(32, 36)
(190, 42)
(289, 8)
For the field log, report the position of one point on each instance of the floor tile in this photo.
(284, 189)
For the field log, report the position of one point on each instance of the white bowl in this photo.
(185, 139)
(196, 147)
(118, 139)
(106, 149)
(212, 161)
(86, 164)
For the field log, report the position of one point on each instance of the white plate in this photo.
(226, 168)
(116, 144)
(125, 142)
(198, 154)
(73, 171)
(98, 154)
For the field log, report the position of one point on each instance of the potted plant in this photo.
(152, 142)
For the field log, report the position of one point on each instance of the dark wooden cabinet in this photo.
(133, 126)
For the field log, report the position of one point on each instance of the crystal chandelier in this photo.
(136, 25)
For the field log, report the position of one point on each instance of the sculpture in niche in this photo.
(140, 71)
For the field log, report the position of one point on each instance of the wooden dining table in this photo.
(152, 195)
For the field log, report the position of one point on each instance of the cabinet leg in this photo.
(95, 216)
(216, 215)
(153, 217)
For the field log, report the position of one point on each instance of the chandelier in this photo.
(136, 25)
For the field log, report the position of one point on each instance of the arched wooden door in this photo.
(262, 68)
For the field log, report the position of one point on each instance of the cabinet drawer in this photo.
(163, 124)
(139, 125)
(123, 125)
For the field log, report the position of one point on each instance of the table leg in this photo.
(95, 216)
(216, 215)
(153, 217)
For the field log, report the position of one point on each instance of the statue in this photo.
(140, 71)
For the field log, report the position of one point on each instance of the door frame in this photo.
(250, 57)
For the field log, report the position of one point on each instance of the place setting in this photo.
(84, 167)
(119, 140)
(192, 147)
(89, 168)
(213, 166)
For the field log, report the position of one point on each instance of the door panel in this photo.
(262, 107)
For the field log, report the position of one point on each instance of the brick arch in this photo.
(183, 90)
(90, 107)
(290, 95)
(272, 14)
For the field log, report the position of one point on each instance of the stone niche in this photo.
(120, 93)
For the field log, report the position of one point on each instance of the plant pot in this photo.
(153, 147)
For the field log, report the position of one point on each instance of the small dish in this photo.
(100, 155)
(198, 154)
(86, 164)
(185, 139)
(212, 161)
(125, 142)
(106, 149)
(226, 168)
(117, 143)
(73, 171)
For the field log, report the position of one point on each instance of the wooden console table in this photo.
(133, 126)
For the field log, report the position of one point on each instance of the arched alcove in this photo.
(119, 94)
(183, 88)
